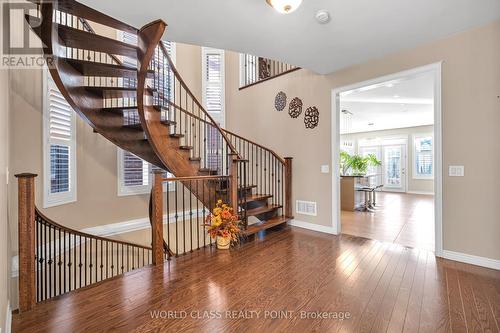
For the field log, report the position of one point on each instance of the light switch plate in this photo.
(325, 168)
(456, 171)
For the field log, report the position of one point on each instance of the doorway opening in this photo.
(386, 139)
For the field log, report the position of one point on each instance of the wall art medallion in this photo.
(295, 107)
(311, 117)
(280, 101)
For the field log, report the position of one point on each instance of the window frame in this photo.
(62, 198)
(218, 116)
(415, 174)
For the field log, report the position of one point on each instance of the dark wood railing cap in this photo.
(26, 175)
(288, 158)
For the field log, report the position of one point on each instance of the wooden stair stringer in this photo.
(166, 146)
(71, 85)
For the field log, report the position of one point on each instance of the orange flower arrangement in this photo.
(222, 222)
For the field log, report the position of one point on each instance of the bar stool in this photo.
(368, 190)
(373, 198)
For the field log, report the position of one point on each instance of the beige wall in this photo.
(470, 106)
(4, 227)
(413, 185)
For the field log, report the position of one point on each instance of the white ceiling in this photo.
(359, 30)
(394, 104)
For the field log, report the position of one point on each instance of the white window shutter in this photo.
(59, 147)
(213, 80)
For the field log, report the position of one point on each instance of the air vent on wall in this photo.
(306, 208)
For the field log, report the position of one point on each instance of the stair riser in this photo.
(254, 204)
(266, 216)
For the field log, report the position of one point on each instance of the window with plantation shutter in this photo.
(213, 82)
(423, 157)
(59, 147)
(135, 176)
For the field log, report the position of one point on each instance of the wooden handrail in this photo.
(268, 78)
(184, 85)
(282, 160)
(173, 179)
(83, 234)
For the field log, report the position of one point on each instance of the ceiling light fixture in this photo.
(284, 6)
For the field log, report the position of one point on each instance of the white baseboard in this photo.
(8, 319)
(471, 259)
(420, 192)
(312, 226)
(451, 255)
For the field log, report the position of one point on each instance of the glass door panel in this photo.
(394, 167)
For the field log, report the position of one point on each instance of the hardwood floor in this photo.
(401, 218)
(384, 287)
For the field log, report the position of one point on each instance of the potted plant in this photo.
(222, 224)
(357, 163)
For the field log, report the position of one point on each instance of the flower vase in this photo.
(223, 243)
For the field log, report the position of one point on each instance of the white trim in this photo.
(113, 229)
(471, 259)
(56, 199)
(311, 226)
(335, 140)
(220, 117)
(8, 319)
(420, 192)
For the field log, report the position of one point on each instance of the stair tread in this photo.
(195, 158)
(119, 109)
(186, 147)
(176, 135)
(272, 222)
(88, 41)
(168, 122)
(262, 210)
(257, 197)
(113, 92)
(134, 126)
(90, 68)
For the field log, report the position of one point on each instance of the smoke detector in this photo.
(322, 16)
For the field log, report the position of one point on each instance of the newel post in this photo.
(26, 240)
(233, 184)
(157, 219)
(288, 187)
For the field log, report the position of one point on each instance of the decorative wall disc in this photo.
(311, 117)
(295, 107)
(280, 101)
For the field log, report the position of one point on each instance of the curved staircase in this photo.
(149, 111)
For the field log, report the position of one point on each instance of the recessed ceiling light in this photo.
(396, 96)
(389, 85)
(322, 16)
(371, 124)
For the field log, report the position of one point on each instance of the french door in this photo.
(394, 167)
